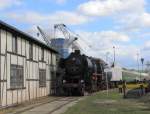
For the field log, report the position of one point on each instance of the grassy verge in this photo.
(100, 103)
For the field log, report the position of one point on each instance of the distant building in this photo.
(27, 66)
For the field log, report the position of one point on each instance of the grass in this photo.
(134, 86)
(100, 103)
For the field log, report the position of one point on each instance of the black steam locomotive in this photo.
(82, 74)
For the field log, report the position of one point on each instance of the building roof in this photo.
(24, 35)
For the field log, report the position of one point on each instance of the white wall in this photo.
(31, 88)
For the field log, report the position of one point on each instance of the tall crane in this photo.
(70, 37)
(44, 36)
(69, 41)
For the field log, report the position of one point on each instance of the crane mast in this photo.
(68, 41)
(69, 38)
(45, 38)
(63, 29)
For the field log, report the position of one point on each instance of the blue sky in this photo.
(124, 24)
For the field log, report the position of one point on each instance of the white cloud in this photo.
(8, 3)
(106, 36)
(129, 15)
(97, 44)
(114, 36)
(71, 18)
(145, 19)
(134, 22)
(110, 7)
(100, 41)
(146, 46)
(145, 51)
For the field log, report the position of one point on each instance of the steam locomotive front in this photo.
(74, 64)
(73, 79)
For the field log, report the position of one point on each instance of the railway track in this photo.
(49, 107)
(70, 100)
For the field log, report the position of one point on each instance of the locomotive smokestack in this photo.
(77, 52)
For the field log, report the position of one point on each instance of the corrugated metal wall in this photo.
(31, 89)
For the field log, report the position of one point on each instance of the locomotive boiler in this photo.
(82, 74)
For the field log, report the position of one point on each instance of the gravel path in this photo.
(56, 106)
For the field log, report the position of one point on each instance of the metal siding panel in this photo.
(9, 98)
(31, 70)
(19, 45)
(9, 42)
(3, 68)
(25, 73)
(47, 72)
(27, 49)
(40, 65)
(14, 97)
(3, 94)
(27, 77)
(23, 47)
(44, 66)
(54, 59)
(34, 52)
(3, 41)
(37, 49)
(34, 70)
(31, 90)
(13, 59)
(39, 53)
(50, 58)
(24, 95)
(20, 60)
(8, 71)
(47, 78)
(34, 89)
(19, 96)
(44, 55)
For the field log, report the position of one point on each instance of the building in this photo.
(27, 66)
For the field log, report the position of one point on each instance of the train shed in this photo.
(27, 66)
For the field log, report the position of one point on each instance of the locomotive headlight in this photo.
(82, 81)
(64, 81)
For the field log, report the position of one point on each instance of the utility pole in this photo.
(142, 61)
(107, 87)
(138, 62)
(114, 55)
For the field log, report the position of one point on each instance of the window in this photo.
(16, 76)
(30, 51)
(42, 78)
(14, 44)
(42, 54)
